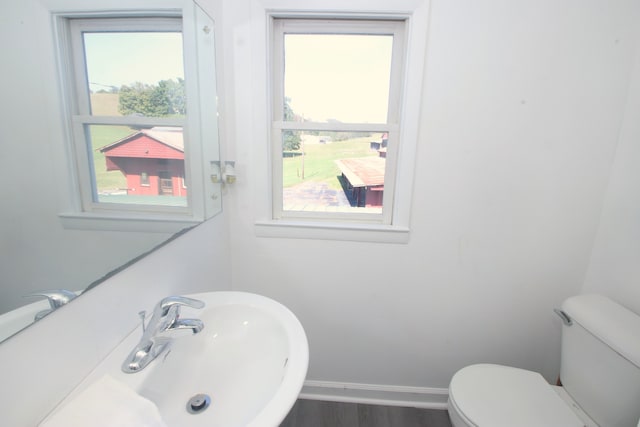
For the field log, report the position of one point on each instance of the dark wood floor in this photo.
(317, 413)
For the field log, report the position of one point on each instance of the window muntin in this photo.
(319, 67)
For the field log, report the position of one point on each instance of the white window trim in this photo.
(282, 26)
(415, 12)
(75, 212)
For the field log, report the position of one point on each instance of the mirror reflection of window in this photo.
(132, 68)
(130, 80)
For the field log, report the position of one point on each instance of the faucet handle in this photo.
(57, 297)
(165, 305)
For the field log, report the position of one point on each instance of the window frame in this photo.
(416, 14)
(78, 209)
(82, 117)
(280, 26)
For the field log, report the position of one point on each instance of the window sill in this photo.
(359, 232)
(105, 222)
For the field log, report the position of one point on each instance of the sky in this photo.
(327, 76)
(342, 77)
(116, 59)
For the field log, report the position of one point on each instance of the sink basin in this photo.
(250, 360)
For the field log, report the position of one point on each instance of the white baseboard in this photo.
(415, 397)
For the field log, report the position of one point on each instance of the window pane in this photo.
(135, 73)
(138, 166)
(333, 171)
(337, 77)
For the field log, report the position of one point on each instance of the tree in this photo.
(164, 99)
(290, 138)
(137, 99)
(173, 92)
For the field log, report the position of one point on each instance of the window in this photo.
(378, 209)
(144, 179)
(130, 110)
(134, 114)
(336, 118)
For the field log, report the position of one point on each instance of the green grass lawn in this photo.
(106, 104)
(319, 161)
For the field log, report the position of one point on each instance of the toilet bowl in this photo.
(599, 369)
(488, 395)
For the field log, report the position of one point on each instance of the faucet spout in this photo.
(196, 325)
(56, 297)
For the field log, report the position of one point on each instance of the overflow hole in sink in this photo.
(198, 403)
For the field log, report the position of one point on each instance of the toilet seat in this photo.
(488, 395)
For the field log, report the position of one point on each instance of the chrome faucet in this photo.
(157, 335)
(56, 297)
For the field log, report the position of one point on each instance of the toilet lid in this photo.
(502, 396)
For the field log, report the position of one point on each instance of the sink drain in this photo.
(198, 403)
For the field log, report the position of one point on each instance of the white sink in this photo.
(251, 359)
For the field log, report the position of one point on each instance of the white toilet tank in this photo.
(600, 366)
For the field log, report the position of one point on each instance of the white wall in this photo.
(522, 107)
(36, 252)
(615, 263)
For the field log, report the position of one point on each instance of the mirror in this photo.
(37, 252)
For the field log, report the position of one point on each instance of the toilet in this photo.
(599, 370)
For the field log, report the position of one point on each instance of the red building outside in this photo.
(365, 178)
(152, 161)
(365, 175)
